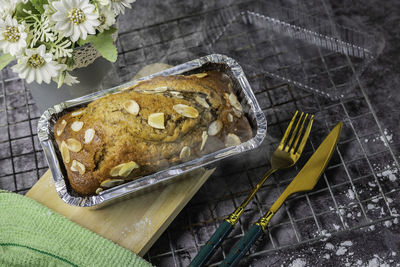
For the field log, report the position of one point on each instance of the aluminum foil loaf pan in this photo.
(219, 62)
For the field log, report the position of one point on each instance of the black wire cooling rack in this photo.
(359, 188)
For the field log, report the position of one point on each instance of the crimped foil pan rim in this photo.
(45, 136)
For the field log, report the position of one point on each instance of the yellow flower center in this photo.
(77, 16)
(36, 61)
(12, 34)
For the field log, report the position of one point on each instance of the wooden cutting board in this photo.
(134, 223)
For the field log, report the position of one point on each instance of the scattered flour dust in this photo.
(347, 243)
(387, 224)
(390, 172)
(344, 253)
(349, 259)
(341, 251)
(326, 256)
(298, 263)
(387, 134)
(143, 227)
(350, 194)
(329, 246)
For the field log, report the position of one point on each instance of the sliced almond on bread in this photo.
(76, 166)
(89, 135)
(131, 107)
(202, 102)
(156, 120)
(128, 168)
(77, 113)
(235, 102)
(214, 128)
(185, 153)
(204, 137)
(77, 126)
(200, 75)
(232, 140)
(230, 117)
(61, 128)
(186, 111)
(123, 169)
(73, 145)
(65, 152)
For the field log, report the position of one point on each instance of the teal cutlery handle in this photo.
(242, 246)
(216, 239)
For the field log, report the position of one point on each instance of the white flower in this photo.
(106, 18)
(119, 5)
(75, 18)
(7, 7)
(69, 79)
(12, 36)
(64, 77)
(36, 64)
(104, 2)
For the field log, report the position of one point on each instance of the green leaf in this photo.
(5, 59)
(20, 14)
(38, 4)
(104, 43)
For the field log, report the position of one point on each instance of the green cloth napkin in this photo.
(33, 235)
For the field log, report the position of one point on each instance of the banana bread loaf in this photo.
(148, 127)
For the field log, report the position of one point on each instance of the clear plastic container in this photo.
(296, 47)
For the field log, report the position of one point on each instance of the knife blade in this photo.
(305, 180)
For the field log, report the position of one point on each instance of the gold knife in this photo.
(305, 180)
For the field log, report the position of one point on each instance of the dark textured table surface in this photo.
(376, 245)
(373, 115)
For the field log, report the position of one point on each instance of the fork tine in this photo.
(305, 137)
(285, 136)
(298, 135)
(294, 133)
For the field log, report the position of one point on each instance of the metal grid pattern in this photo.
(352, 193)
(356, 189)
(22, 160)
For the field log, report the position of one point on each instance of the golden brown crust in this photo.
(112, 135)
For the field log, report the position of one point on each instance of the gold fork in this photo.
(285, 156)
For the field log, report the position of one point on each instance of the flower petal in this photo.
(59, 16)
(75, 35)
(61, 5)
(47, 57)
(83, 31)
(42, 50)
(63, 26)
(74, 3)
(88, 8)
(92, 16)
(68, 5)
(46, 75)
(38, 76)
(30, 76)
(88, 27)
